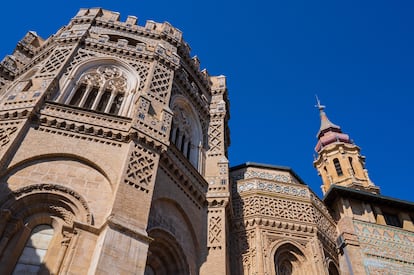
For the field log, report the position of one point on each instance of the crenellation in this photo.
(131, 20)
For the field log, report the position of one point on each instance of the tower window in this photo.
(91, 97)
(352, 166)
(338, 167)
(188, 150)
(103, 89)
(392, 219)
(183, 141)
(116, 104)
(76, 99)
(103, 101)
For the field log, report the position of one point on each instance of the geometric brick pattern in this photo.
(80, 56)
(55, 60)
(140, 168)
(214, 231)
(160, 83)
(386, 250)
(142, 69)
(215, 137)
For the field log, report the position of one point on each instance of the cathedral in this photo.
(114, 160)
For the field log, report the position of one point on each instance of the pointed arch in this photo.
(288, 258)
(165, 255)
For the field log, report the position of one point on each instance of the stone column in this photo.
(123, 245)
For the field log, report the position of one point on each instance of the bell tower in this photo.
(338, 159)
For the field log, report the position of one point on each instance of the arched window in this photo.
(102, 87)
(186, 131)
(34, 252)
(332, 270)
(338, 167)
(288, 260)
(37, 228)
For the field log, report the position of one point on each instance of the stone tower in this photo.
(375, 233)
(279, 225)
(338, 159)
(113, 153)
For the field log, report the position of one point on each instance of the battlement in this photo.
(151, 28)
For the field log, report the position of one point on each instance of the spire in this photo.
(328, 132)
(339, 161)
(326, 124)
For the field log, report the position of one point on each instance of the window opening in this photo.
(183, 144)
(338, 167)
(188, 150)
(91, 98)
(392, 219)
(78, 95)
(35, 250)
(116, 104)
(103, 101)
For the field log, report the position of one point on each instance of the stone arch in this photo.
(288, 259)
(332, 267)
(186, 130)
(71, 172)
(168, 216)
(27, 208)
(53, 156)
(165, 255)
(104, 84)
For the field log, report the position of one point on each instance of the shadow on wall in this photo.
(22, 248)
(239, 236)
(37, 224)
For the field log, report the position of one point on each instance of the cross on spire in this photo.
(318, 104)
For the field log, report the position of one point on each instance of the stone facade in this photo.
(113, 160)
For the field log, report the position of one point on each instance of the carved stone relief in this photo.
(140, 169)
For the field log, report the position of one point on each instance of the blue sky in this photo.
(357, 56)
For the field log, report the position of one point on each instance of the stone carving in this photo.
(160, 84)
(265, 175)
(215, 138)
(79, 57)
(215, 232)
(66, 215)
(55, 61)
(278, 208)
(284, 209)
(142, 69)
(140, 168)
(54, 188)
(110, 76)
(6, 133)
(9, 63)
(274, 188)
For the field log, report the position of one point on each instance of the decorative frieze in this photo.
(280, 177)
(273, 188)
(386, 249)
